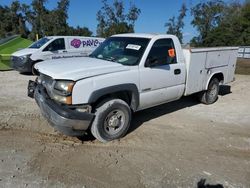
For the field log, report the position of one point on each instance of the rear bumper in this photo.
(68, 121)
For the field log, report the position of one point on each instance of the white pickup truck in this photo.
(126, 73)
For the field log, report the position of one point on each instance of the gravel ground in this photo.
(173, 145)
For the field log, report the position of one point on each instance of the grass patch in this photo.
(10, 47)
(4, 66)
(14, 45)
(5, 62)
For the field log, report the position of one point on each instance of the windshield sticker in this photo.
(133, 47)
(122, 60)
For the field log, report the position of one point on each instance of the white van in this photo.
(53, 47)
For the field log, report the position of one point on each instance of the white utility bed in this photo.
(203, 63)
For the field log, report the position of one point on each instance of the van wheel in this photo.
(211, 94)
(112, 120)
(33, 70)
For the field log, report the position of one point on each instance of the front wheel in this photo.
(112, 120)
(33, 70)
(211, 94)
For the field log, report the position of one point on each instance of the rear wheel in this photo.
(112, 120)
(211, 94)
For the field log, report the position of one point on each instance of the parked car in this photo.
(125, 74)
(53, 47)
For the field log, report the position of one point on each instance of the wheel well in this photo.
(126, 96)
(219, 76)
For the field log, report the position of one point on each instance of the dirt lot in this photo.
(243, 66)
(173, 145)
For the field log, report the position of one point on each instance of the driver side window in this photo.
(56, 45)
(162, 53)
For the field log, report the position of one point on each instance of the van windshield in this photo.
(39, 43)
(123, 50)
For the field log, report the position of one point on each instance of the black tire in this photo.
(211, 94)
(112, 120)
(33, 70)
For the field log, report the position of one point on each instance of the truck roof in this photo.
(143, 35)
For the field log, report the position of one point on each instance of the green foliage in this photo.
(112, 19)
(221, 24)
(4, 65)
(79, 31)
(13, 20)
(44, 22)
(49, 22)
(175, 26)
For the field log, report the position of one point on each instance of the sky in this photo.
(154, 14)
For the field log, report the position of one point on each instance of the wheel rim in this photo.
(114, 122)
(213, 91)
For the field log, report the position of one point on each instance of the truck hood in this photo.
(25, 51)
(78, 68)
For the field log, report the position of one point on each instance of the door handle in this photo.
(177, 71)
(64, 51)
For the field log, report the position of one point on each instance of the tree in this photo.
(112, 19)
(42, 21)
(5, 24)
(207, 16)
(79, 31)
(13, 20)
(56, 23)
(175, 26)
(38, 18)
(61, 16)
(245, 15)
(221, 24)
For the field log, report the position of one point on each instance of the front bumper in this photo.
(19, 66)
(68, 121)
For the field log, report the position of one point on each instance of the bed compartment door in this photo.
(196, 72)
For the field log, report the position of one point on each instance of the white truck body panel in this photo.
(129, 75)
(203, 63)
(79, 68)
(160, 81)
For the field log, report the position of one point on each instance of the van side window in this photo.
(56, 45)
(162, 52)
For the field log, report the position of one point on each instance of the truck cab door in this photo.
(162, 79)
(54, 50)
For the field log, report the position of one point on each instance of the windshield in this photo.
(39, 43)
(123, 50)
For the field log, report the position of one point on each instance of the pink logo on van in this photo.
(76, 43)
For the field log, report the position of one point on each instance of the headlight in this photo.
(62, 91)
(25, 58)
(64, 87)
